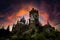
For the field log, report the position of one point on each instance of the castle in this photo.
(33, 23)
(33, 27)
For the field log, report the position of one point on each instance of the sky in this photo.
(12, 10)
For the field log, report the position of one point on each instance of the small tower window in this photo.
(31, 18)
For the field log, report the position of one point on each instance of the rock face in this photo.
(57, 27)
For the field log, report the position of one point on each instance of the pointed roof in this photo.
(8, 28)
(23, 20)
(48, 24)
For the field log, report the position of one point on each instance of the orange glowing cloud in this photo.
(44, 15)
(11, 16)
(24, 10)
(21, 12)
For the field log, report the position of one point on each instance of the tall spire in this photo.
(23, 20)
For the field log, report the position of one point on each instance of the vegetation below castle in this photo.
(25, 33)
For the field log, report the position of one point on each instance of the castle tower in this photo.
(34, 17)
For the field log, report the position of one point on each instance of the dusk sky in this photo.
(13, 10)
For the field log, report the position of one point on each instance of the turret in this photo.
(34, 17)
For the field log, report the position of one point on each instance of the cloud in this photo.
(12, 10)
